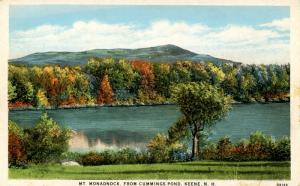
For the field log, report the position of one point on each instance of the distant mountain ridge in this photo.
(164, 53)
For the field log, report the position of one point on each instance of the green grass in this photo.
(185, 170)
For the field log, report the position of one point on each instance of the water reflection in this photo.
(81, 142)
(117, 127)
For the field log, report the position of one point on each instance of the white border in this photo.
(295, 81)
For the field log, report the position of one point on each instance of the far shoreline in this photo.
(30, 108)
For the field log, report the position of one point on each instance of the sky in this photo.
(248, 34)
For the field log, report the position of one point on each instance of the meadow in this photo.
(257, 170)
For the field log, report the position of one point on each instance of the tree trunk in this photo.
(195, 146)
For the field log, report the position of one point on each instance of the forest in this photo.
(108, 81)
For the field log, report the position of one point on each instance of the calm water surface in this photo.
(114, 127)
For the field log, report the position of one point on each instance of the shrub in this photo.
(122, 156)
(179, 155)
(92, 158)
(260, 146)
(159, 149)
(224, 149)
(71, 156)
(209, 151)
(241, 151)
(143, 157)
(17, 155)
(282, 150)
(126, 155)
(47, 141)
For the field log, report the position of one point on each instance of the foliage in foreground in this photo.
(258, 147)
(46, 142)
(201, 105)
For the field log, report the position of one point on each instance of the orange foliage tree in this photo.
(147, 82)
(105, 92)
(16, 150)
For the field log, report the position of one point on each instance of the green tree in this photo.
(181, 72)
(11, 91)
(158, 148)
(162, 79)
(47, 141)
(19, 77)
(230, 83)
(201, 105)
(217, 76)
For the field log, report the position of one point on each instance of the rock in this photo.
(70, 163)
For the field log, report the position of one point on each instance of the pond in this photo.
(116, 127)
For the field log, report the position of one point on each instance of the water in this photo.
(115, 127)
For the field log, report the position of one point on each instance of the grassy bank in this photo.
(187, 170)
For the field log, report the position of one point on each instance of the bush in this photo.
(71, 156)
(47, 141)
(122, 156)
(126, 155)
(258, 147)
(179, 155)
(282, 150)
(143, 157)
(17, 156)
(209, 151)
(225, 149)
(92, 159)
(159, 149)
(241, 151)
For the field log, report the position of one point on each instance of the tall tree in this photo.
(11, 91)
(105, 92)
(201, 105)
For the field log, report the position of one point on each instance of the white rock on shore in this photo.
(70, 163)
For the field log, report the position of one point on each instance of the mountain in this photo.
(163, 53)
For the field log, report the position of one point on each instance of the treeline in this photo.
(109, 81)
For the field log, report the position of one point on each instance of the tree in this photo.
(146, 90)
(162, 79)
(201, 105)
(47, 141)
(217, 76)
(105, 93)
(41, 99)
(16, 147)
(11, 91)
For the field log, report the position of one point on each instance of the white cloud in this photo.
(279, 24)
(239, 43)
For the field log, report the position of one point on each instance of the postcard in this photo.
(150, 93)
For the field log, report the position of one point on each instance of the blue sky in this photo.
(232, 32)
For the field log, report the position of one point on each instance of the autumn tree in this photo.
(17, 155)
(147, 80)
(105, 92)
(201, 105)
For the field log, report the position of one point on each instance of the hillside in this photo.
(163, 53)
